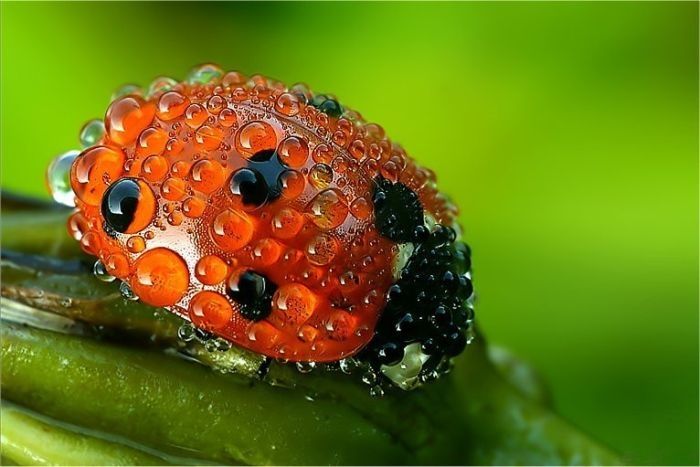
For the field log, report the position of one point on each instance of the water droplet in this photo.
(376, 391)
(160, 277)
(100, 272)
(58, 178)
(227, 117)
(209, 137)
(127, 117)
(151, 141)
(329, 209)
(370, 377)
(160, 84)
(306, 367)
(204, 74)
(287, 104)
(232, 230)
(470, 334)
(287, 223)
(292, 184)
(92, 132)
(126, 90)
(126, 292)
(361, 208)
(222, 345)
(207, 175)
(348, 365)
(67, 302)
(186, 332)
(135, 244)
(216, 104)
(322, 154)
(321, 175)
(293, 151)
(195, 115)
(322, 249)
(211, 270)
(292, 305)
(171, 105)
(254, 137)
(117, 265)
(155, 168)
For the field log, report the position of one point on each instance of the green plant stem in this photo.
(28, 440)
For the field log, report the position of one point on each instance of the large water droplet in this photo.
(92, 132)
(58, 178)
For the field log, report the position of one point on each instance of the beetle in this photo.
(276, 219)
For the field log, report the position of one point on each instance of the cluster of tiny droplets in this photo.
(202, 225)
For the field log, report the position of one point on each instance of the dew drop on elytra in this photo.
(58, 178)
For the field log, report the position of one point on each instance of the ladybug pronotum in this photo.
(276, 219)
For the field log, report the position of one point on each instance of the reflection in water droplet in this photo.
(293, 151)
(287, 104)
(376, 391)
(92, 132)
(321, 175)
(126, 292)
(58, 178)
(254, 137)
(329, 209)
(322, 249)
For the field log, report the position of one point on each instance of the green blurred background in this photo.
(567, 132)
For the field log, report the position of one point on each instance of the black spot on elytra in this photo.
(253, 292)
(398, 212)
(260, 182)
(119, 204)
(327, 105)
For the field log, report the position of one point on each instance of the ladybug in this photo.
(276, 219)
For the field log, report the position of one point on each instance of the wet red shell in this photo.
(317, 241)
